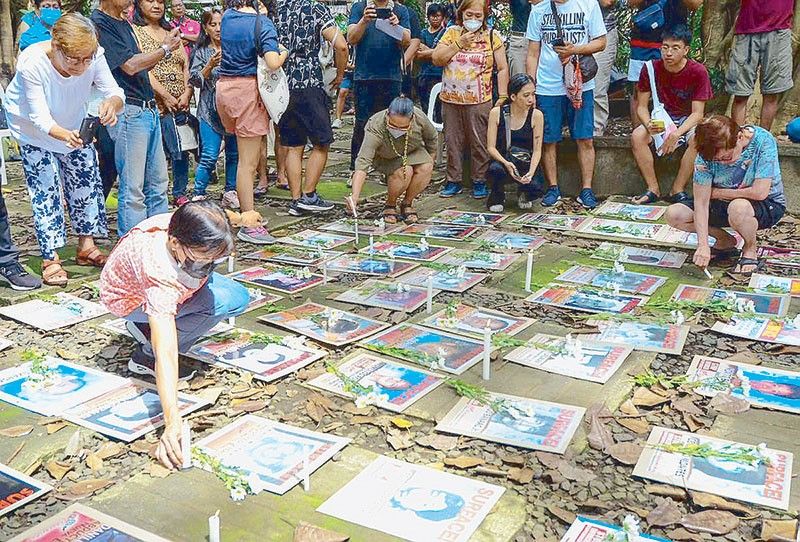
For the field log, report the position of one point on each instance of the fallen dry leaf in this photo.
(599, 436)
(16, 431)
(513, 459)
(628, 408)
(109, 450)
(94, 462)
(210, 394)
(664, 490)
(400, 440)
(520, 475)
(332, 427)
(84, 489)
(141, 447)
(438, 442)
(725, 403)
(626, 453)
(250, 406)
(402, 423)
(58, 469)
(779, 530)
(66, 354)
(666, 513)
(706, 500)
(645, 397)
(682, 535)
(574, 473)
(305, 532)
(717, 522)
(637, 425)
(270, 389)
(685, 405)
(693, 422)
(199, 383)
(564, 515)
(463, 462)
(551, 461)
(745, 357)
(314, 411)
(157, 470)
(74, 444)
(55, 427)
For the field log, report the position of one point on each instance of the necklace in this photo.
(403, 157)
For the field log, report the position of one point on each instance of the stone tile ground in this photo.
(176, 505)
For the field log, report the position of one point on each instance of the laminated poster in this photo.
(644, 336)
(18, 489)
(325, 324)
(764, 304)
(630, 211)
(363, 264)
(473, 321)
(585, 299)
(395, 296)
(640, 256)
(53, 311)
(316, 239)
(467, 218)
(590, 530)
(626, 281)
(453, 232)
(421, 251)
(287, 279)
(450, 280)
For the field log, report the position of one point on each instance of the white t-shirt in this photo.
(39, 97)
(581, 22)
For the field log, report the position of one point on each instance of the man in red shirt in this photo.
(683, 87)
(763, 39)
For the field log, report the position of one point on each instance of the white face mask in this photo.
(471, 25)
(395, 132)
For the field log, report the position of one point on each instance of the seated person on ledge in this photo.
(683, 87)
(399, 142)
(737, 183)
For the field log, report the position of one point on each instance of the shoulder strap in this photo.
(257, 37)
(653, 91)
(557, 19)
(506, 111)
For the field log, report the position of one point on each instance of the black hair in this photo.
(679, 32)
(269, 5)
(202, 225)
(204, 40)
(434, 9)
(518, 81)
(139, 20)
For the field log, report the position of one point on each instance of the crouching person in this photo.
(160, 278)
(737, 183)
(399, 142)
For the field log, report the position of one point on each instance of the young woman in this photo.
(469, 53)
(238, 102)
(170, 81)
(160, 278)
(45, 106)
(516, 161)
(204, 74)
(35, 25)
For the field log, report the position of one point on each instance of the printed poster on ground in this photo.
(547, 221)
(784, 257)
(452, 232)
(761, 329)
(626, 281)
(473, 321)
(289, 280)
(413, 502)
(590, 530)
(644, 336)
(398, 385)
(270, 454)
(54, 312)
(290, 255)
(775, 285)
(585, 299)
(395, 296)
(527, 423)
(765, 481)
(467, 218)
(18, 489)
(506, 240)
(316, 239)
(325, 324)
(420, 252)
(766, 304)
(630, 211)
(362, 264)
(640, 256)
(449, 280)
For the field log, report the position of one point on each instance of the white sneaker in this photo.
(496, 208)
(230, 199)
(336, 124)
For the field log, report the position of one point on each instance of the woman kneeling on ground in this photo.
(398, 142)
(160, 278)
(515, 158)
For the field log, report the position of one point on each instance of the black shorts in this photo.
(307, 118)
(767, 212)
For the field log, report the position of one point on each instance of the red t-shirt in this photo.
(756, 16)
(678, 90)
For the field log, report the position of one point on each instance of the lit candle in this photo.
(529, 271)
(430, 294)
(213, 527)
(186, 445)
(487, 347)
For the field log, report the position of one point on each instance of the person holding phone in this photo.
(46, 103)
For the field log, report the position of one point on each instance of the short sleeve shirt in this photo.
(581, 22)
(239, 52)
(141, 272)
(378, 55)
(299, 24)
(467, 78)
(117, 39)
(757, 16)
(414, 28)
(431, 40)
(189, 27)
(759, 160)
(520, 11)
(678, 90)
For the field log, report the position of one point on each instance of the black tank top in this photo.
(522, 138)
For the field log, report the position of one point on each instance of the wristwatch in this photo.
(167, 51)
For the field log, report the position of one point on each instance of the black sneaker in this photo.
(141, 364)
(18, 279)
(313, 203)
(294, 208)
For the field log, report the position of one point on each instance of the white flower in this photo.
(460, 271)
(362, 401)
(795, 323)
(238, 494)
(304, 273)
(400, 287)
(745, 385)
(481, 219)
(496, 258)
(678, 317)
(618, 267)
(631, 527)
(380, 224)
(334, 316)
(745, 305)
(294, 343)
(449, 322)
(731, 296)
(509, 246)
(615, 287)
(574, 347)
(423, 244)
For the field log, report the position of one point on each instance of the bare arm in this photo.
(146, 61)
(424, 53)
(411, 51)
(339, 50)
(702, 196)
(698, 110)
(444, 52)
(643, 107)
(635, 4)
(538, 134)
(275, 60)
(165, 347)
(502, 70)
(491, 136)
(532, 60)
(594, 46)
(356, 31)
(758, 192)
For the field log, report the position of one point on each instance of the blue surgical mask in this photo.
(49, 16)
(472, 25)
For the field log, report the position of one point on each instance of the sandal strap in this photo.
(52, 269)
(93, 254)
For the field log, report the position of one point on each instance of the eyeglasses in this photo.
(73, 61)
(673, 48)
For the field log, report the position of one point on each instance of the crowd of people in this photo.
(163, 90)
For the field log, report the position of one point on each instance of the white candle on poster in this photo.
(324, 272)
(231, 261)
(371, 245)
(355, 229)
(186, 445)
(213, 528)
(487, 347)
(529, 271)
(429, 307)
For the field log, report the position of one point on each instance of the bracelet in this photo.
(502, 96)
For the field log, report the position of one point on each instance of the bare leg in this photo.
(262, 163)
(85, 243)
(396, 186)
(586, 161)
(681, 217)
(743, 220)
(769, 108)
(634, 117)
(640, 143)
(280, 162)
(249, 150)
(341, 99)
(549, 163)
(419, 182)
(739, 109)
(314, 168)
(294, 170)
(686, 169)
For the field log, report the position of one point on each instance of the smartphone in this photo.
(558, 42)
(89, 128)
(383, 13)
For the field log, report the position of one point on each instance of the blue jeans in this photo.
(180, 175)
(142, 167)
(219, 299)
(210, 144)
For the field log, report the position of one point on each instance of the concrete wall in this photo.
(616, 172)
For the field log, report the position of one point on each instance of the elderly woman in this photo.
(160, 278)
(469, 53)
(398, 143)
(45, 106)
(35, 26)
(170, 81)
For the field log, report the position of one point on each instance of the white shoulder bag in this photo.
(273, 86)
(659, 113)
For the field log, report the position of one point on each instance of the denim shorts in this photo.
(558, 110)
(347, 81)
(767, 212)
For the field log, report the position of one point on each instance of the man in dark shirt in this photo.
(377, 78)
(411, 51)
(429, 74)
(138, 152)
(517, 42)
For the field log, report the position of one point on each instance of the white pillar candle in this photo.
(371, 243)
(708, 274)
(529, 271)
(355, 224)
(324, 272)
(186, 445)
(429, 307)
(231, 261)
(213, 528)
(487, 347)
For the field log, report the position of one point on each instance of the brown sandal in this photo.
(91, 257)
(390, 215)
(53, 274)
(408, 214)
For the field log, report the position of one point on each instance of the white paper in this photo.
(391, 30)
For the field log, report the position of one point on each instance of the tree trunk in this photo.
(7, 51)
